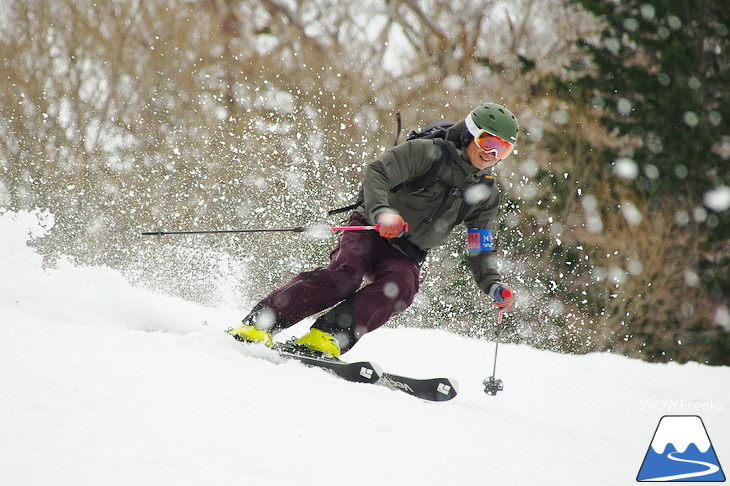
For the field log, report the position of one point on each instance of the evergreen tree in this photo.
(659, 79)
(662, 78)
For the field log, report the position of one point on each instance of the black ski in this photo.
(433, 389)
(360, 372)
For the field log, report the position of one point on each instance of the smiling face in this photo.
(494, 130)
(480, 158)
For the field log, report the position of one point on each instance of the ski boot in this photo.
(319, 342)
(247, 333)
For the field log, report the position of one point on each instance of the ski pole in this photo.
(298, 229)
(491, 384)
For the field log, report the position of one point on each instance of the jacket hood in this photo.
(459, 135)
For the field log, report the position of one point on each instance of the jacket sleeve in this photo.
(483, 265)
(393, 167)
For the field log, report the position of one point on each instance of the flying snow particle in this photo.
(690, 118)
(561, 117)
(613, 45)
(590, 203)
(5, 198)
(555, 307)
(477, 194)
(714, 117)
(511, 220)
(723, 148)
(682, 218)
(631, 213)
(651, 171)
(295, 180)
(318, 231)
(535, 131)
(631, 24)
(625, 168)
(699, 214)
(718, 199)
(674, 22)
(454, 83)
(691, 278)
(529, 168)
(616, 275)
(265, 320)
(599, 274)
(391, 290)
(634, 266)
(594, 224)
(624, 106)
(722, 318)
(526, 191)
(648, 11)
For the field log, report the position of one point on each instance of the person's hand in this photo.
(502, 295)
(391, 225)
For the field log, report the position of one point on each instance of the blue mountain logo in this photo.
(681, 451)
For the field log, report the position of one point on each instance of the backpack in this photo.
(435, 131)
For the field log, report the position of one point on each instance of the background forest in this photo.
(124, 116)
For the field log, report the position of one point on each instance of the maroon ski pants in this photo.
(392, 282)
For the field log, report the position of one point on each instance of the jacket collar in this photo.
(475, 173)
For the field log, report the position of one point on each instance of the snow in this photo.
(625, 168)
(718, 199)
(680, 432)
(631, 213)
(102, 382)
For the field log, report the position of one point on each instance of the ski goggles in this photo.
(489, 142)
(500, 147)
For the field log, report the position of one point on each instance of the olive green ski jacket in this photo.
(433, 212)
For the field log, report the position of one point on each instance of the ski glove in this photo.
(502, 294)
(391, 225)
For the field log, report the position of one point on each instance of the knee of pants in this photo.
(344, 281)
(401, 286)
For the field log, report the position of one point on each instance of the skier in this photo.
(412, 221)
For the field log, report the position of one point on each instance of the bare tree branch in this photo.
(427, 21)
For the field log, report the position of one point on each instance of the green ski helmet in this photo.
(494, 118)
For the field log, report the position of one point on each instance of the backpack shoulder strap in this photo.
(432, 175)
(416, 184)
(467, 207)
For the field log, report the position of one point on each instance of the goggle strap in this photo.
(476, 132)
(472, 127)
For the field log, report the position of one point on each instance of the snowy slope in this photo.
(102, 383)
